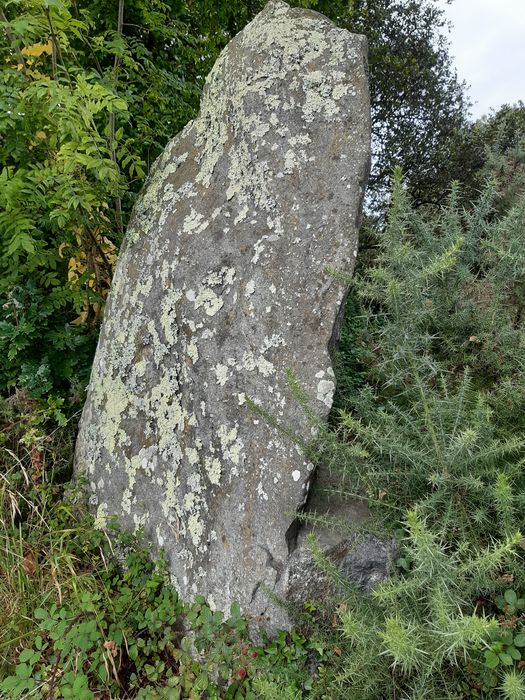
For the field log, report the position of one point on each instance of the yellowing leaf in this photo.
(37, 75)
(41, 135)
(81, 319)
(37, 49)
(61, 248)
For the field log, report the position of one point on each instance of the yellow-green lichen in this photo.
(168, 412)
(168, 315)
(131, 467)
(116, 402)
(213, 469)
(169, 503)
(196, 529)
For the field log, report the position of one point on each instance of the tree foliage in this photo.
(86, 101)
(496, 149)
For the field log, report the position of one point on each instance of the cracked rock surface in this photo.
(220, 289)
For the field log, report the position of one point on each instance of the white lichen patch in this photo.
(261, 492)
(194, 223)
(273, 341)
(168, 413)
(209, 301)
(250, 363)
(264, 367)
(160, 349)
(190, 501)
(191, 455)
(231, 444)
(319, 97)
(296, 475)
(222, 373)
(131, 468)
(213, 469)
(325, 391)
(241, 216)
(257, 250)
(192, 351)
(168, 315)
(206, 296)
(100, 521)
(116, 403)
(196, 529)
(165, 165)
(140, 368)
(139, 521)
(299, 140)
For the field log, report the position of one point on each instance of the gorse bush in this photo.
(434, 440)
(442, 412)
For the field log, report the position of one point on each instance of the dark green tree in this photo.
(89, 95)
(495, 148)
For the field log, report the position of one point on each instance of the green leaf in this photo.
(511, 598)
(25, 655)
(512, 651)
(506, 658)
(491, 659)
(23, 671)
(519, 640)
(506, 637)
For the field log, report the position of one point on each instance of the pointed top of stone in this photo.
(275, 4)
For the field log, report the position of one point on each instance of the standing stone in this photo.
(220, 291)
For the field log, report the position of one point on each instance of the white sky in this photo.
(488, 47)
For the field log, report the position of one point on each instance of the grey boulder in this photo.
(220, 295)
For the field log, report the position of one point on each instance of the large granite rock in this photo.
(221, 288)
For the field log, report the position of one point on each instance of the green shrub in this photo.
(435, 441)
(86, 104)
